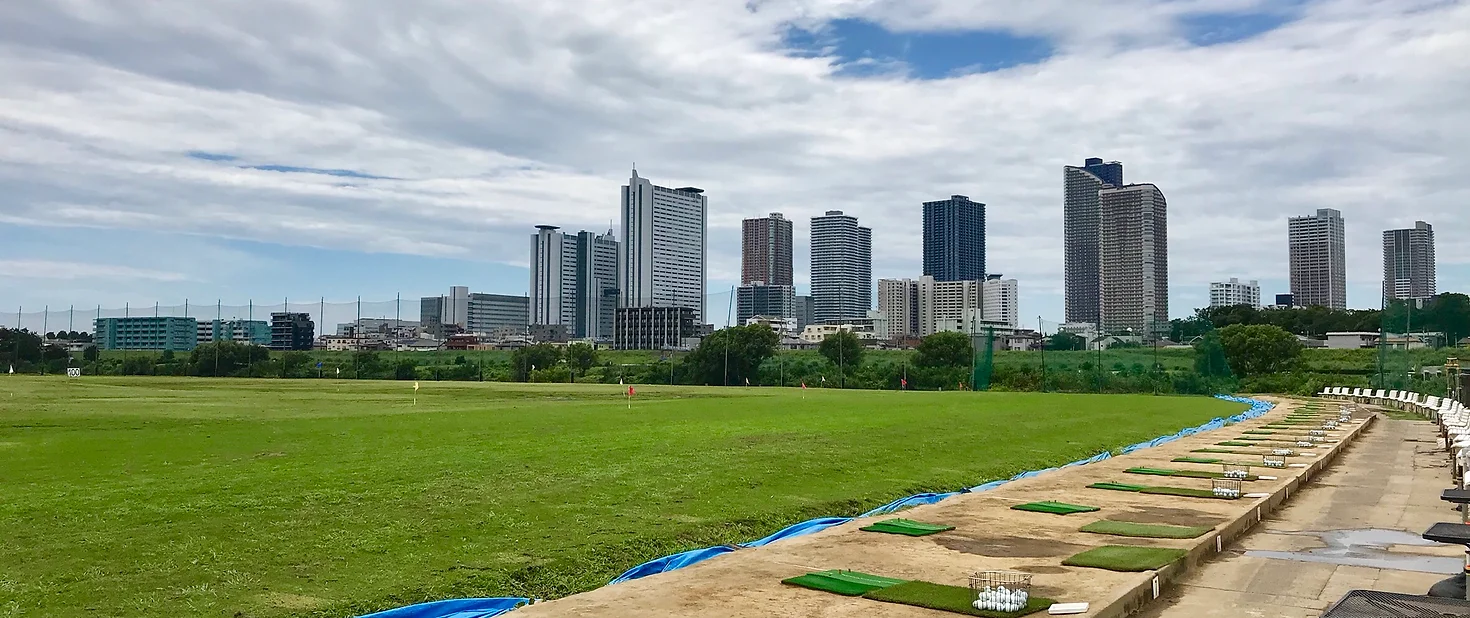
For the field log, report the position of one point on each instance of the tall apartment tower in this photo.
(1408, 263)
(766, 250)
(954, 239)
(1081, 222)
(898, 299)
(1318, 269)
(662, 261)
(842, 267)
(1134, 259)
(553, 277)
(574, 281)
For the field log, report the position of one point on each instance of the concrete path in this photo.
(1389, 479)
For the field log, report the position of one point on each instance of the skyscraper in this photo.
(553, 276)
(954, 239)
(842, 267)
(1408, 263)
(1081, 247)
(662, 262)
(1134, 259)
(766, 250)
(574, 281)
(1318, 268)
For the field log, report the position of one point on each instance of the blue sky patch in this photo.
(210, 156)
(863, 47)
(1220, 28)
(315, 170)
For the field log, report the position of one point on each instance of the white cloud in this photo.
(493, 117)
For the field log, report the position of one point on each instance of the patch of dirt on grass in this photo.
(286, 600)
(1175, 517)
(1007, 546)
(269, 454)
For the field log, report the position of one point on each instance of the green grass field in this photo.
(264, 498)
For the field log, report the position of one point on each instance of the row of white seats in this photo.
(1452, 416)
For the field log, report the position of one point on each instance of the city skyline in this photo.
(136, 177)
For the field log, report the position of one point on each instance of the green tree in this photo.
(581, 357)
(947, 349)
(1259, 349)
(1209, 356)
(843, 349)
(224, 358)
(533, 358)
(90, 354)
(732, 355)
(405, 369)
(1064, 342)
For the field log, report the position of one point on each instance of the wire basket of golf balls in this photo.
(1282, 452)
(1329, 424)
(1304, 443)
(1225, 488)
(1273, 461)
(1000, 591)
(1316, 432)
(1235, 471)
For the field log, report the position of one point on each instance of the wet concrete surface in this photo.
(1368, 548)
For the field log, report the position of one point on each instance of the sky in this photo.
(292, 149)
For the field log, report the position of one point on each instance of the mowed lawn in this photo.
(263, 498)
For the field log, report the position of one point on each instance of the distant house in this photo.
(1351, 340)
(1310, 342)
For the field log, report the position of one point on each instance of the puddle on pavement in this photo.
(1368, 548)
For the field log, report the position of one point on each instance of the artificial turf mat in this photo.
(1193, 474)
(1116, 486)
(1125, 558)
(1215, 450)
(1198, 460)
(1234, 443)
(845, 583)
(1258, 431)
(1255, 438)
(906, 527)
(955, 599)
(1182, 491)
(1055, 508)
(1146, 531)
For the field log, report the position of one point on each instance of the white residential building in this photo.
(922, 307)
(1234, 292)
(662, 262)
(898, 301)
(1408, 263)
(1001, 301)
(574, 281)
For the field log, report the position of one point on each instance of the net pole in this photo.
(45, 323)
(1040, 331)
(219, 308)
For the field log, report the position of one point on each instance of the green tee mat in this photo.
(845, 583)
(1259, 432)
(1234, 443)
(1116, 486)
(1255, 438)
(1205, 460)
(1186, 492)
(906, 527)
(1055, 508)
(1125, 558)
(957, 599)
(1145, 531)
(1193, 474)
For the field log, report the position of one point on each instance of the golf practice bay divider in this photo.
(494, 606)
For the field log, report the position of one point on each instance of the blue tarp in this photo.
(455, 608)
(669, 563)
(485, 608)
(802, 529)
(914, 500)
